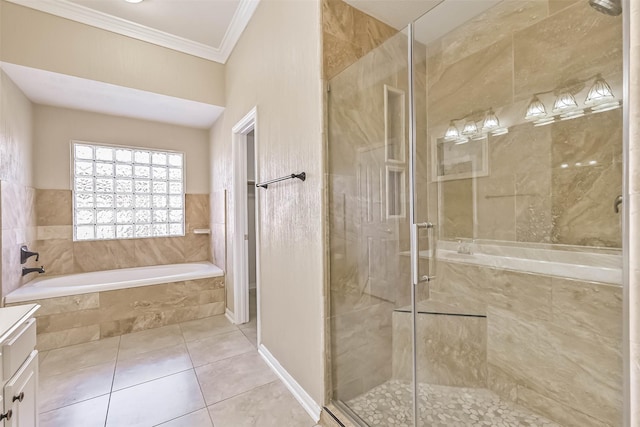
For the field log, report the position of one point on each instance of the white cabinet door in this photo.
(20, 395)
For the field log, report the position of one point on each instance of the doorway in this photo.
(246, 266)
(249, 329)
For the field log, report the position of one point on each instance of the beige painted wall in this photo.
(276, 66)
(40, 40)
(17, 198)
(634, 210)
(55, 127)
(16, 115)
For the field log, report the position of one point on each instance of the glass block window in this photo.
(126, 192)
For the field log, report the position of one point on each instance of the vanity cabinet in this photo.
(19, 366)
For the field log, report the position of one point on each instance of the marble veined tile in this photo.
(496, 23)
(482, 79)
(271, 405)
(582, 205)
(57, 256)
(595, 307)
(451, 349)
(196, 208)
(68, 337)
(68, 304)
(554, 410)
(54, 207)
(574, 369)
(575, 43)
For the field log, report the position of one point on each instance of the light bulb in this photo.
(452, 132)
(564, 102)
(535, 109)
(600, 92)
(490, 121)
(470, 128)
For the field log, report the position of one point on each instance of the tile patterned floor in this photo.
(389, 405)
(202, 373)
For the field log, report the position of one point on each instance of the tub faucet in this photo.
(25, 254)
(26, 270)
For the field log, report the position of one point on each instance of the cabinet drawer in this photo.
(17, 348)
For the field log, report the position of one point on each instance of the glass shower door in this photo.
(517, 158)
(368, 124)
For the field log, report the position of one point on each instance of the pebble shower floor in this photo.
(389, 404)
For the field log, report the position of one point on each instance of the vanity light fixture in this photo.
(566, 105)
(600, 96)
(452, 132)
(490, 122)
(535, 109)
(470, 128)
(537, 113)
(133, 1)
(564, 102)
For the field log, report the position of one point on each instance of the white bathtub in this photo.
(83, 283)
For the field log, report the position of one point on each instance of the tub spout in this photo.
(26, 270)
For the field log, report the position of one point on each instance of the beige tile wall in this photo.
(61, 255)
(553, 345)
(75, 319)
(347, 35)
(499, 60)
(364, 267)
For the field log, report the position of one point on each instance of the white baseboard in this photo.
(307, 402)
(230, 316)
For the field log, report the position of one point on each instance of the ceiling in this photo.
(205, 28)
(61, 90)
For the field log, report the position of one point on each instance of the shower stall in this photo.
(475, 159)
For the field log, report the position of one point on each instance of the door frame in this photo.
(241, 244)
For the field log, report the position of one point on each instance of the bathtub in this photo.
(99, 281)
(85, 307)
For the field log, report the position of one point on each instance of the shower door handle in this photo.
(415, 252)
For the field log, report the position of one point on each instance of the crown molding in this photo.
(75, 12)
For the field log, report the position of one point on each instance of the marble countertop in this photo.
(11, 317)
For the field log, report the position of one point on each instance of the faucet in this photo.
(465, 247)
(25, 254)
(26, 270)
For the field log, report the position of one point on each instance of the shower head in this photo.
(608, 7)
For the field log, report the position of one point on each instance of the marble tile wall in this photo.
(347, 35)
(452, 350)
(364, 243)
(553, 345)
(552, 184)
(75, 319)
(61, 255)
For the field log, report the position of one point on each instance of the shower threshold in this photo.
(390, 404)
